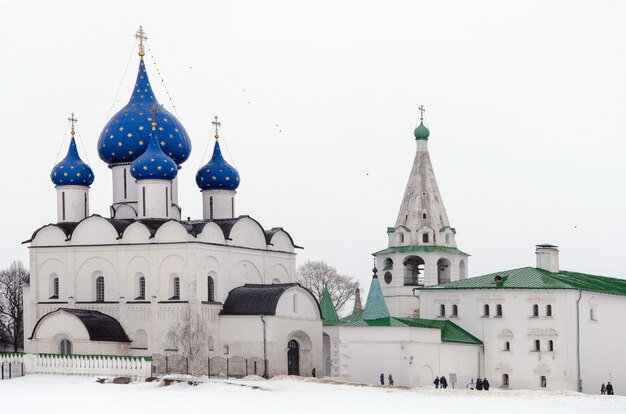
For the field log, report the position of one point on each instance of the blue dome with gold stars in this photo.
(217, 174)
(153, 164)
(127, 134)
(72, 170)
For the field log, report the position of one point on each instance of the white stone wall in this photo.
(218, 204)
(72, 203)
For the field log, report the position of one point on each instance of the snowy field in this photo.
(67, 394)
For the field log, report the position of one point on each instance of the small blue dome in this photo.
(127, 134)
(153, 164)
(72, 170)
(217, 174)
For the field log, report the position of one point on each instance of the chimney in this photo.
(547, 257)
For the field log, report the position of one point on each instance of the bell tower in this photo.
(422, 249)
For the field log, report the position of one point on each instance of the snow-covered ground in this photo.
(71, 394)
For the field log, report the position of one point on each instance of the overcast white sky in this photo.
(526, 104)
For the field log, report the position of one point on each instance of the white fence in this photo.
(113, 365)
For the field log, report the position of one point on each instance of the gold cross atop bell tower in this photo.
(422, 110)
(217, 124)
(140, 35)
(73, 120)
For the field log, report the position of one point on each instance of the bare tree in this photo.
(313, 275)
(11, 304)
(190, 337)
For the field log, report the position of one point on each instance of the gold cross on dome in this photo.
(217, 124)
(73, 121)
(422, 110)
(140, 35)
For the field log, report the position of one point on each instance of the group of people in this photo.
(607, 389)
(441, 382)
(382, 379)
(481, 384)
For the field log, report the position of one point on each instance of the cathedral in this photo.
(118, 284)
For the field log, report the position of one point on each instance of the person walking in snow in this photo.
(390, 380)
(436, 382)
(609, 388)
(444, 382)
(486, 384)
(479, 384)
(603, 389)
(382, 379)
(470, 385)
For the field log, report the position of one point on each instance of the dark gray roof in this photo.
(253, 299)
(101, 327)
(194, 227)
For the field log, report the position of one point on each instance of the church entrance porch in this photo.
(293, 358)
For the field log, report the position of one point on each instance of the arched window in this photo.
(537, 345)
(55, 288)
(543, 381)
(486, 311)
(498, 311)
(505, 380)
(100, 289)
(551, 345)
(535, 311)
(507, 346)
(455, 311)
(65, 347)
(211, 289)
(211, 207)
(388, 264)
(592, 314)
(142, 288)
(401, 238)
(295, 303)
(425, 238)
(424, 215)
(549, 310)
(176, 290)
(442, 310)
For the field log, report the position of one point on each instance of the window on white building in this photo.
(402, 238)
(535, 311)
(543, 382)
(55, 288)
(142, 288)
(507, 346)
(65, 347)
(176, 295)
(100, 289)
(551, 345)
(498, 311)
(505, 380)
(424, 216)
(549, 311)
(425, 237)
(486, 311)
(442, 310)
(593, 315)
(211, 289)
(455, 311)
(537, 345)
(295, 303)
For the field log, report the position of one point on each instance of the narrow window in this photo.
(167, 202)
(455, 311)
(125, 191)
(535, 311)
(551, 345)
(100, 289)
(507, 346)
(592, 314)
(211, 207)
(210, 289)
(424, 216)
(543, 382)
(548, 310)
(143, 194)
(295, 303)
(211, 343)
(63, 203)
(498, 311)
(56, 288)
(425, 237)
(142, 288)
(176, 295)
(537, 345)
(65, 347)
(447, 239)
(232, 207)
(402, 238)
(486, 311)
(442, 310)
(86, 207)
(505, 380)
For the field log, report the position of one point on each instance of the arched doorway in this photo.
(326, 354)
(293, 357)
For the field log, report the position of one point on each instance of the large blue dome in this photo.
(217, 174)
(72, 170)
(153, 164)
(127, 134)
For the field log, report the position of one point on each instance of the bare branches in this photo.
(315, 274)
(190, 337)
(11, 304)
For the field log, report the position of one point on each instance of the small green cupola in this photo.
(329, 315)
(421, 132)
(375, 307)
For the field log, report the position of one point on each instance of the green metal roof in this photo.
(414, 248)
(393, 229)
(375, 307)
(328, 309)
(450, 332)
(534, 278)
(441, 230)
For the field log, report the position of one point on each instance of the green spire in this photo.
(328, 309)
(375, 307)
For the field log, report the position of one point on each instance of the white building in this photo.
(118, 285)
